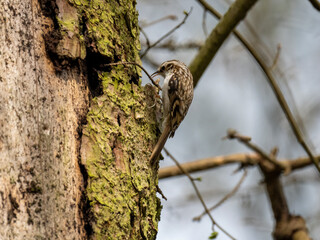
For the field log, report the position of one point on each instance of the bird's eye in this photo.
(162, 68)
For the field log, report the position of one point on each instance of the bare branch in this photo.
(276, 57)
(197, 192)
(243, 159)
(168, 17)
(187, 14)
(153, 63)
(226, 197)
(276, 89)
(209, 163)
(145, 36)
(204, 22)
(287, 226)
(172, 45)
(218, 35)
(232, 134)
(315, 4)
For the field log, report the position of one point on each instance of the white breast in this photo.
(165, 97)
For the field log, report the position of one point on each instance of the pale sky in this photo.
(233, 93)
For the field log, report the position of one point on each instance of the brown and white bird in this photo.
(177, 95)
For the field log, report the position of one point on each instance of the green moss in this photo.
(112, 26)
(71, 44)
(119, 134)
(121, 182)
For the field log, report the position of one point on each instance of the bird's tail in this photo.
(160, 144)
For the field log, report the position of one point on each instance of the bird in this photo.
(177, 96)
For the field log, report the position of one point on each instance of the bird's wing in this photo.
(175, 100)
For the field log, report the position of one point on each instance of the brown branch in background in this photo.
(226, 197)
(172, 45)
(287, 226)
(315, 4)
(218, 35)
(276, 89)
(243, 159)
(168, 17)
(137, 64)
(232, 134)
(197, 192)
(209, 163)
(187, 14)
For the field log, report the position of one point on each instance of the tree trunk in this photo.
(75, 136)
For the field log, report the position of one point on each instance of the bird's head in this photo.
(168, 67)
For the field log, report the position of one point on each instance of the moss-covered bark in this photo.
(119, 134)
(52, 53)
(115, 145)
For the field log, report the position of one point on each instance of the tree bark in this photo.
(74, 136)
(40, 116)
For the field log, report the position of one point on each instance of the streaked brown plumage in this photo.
(177, 95)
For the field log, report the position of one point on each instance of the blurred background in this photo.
(234, 93)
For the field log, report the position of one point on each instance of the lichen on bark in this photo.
(122, 184)
(120, 129)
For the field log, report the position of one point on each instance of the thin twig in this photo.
(226, 197)
(275, 60)
(145, 36)
(232, 134)
(151, 62)
(204, 23)
(187, 14)
(264, 48)
(172, 45)
(276, 89)
(170, 17)
(137, 64)
(198, 193)
(161, 193)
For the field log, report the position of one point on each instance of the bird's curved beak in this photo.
(155, 74)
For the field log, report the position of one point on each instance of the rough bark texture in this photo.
(119, 135)
(51, 56)
(40, 113)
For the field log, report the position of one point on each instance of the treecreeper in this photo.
(177, 95)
